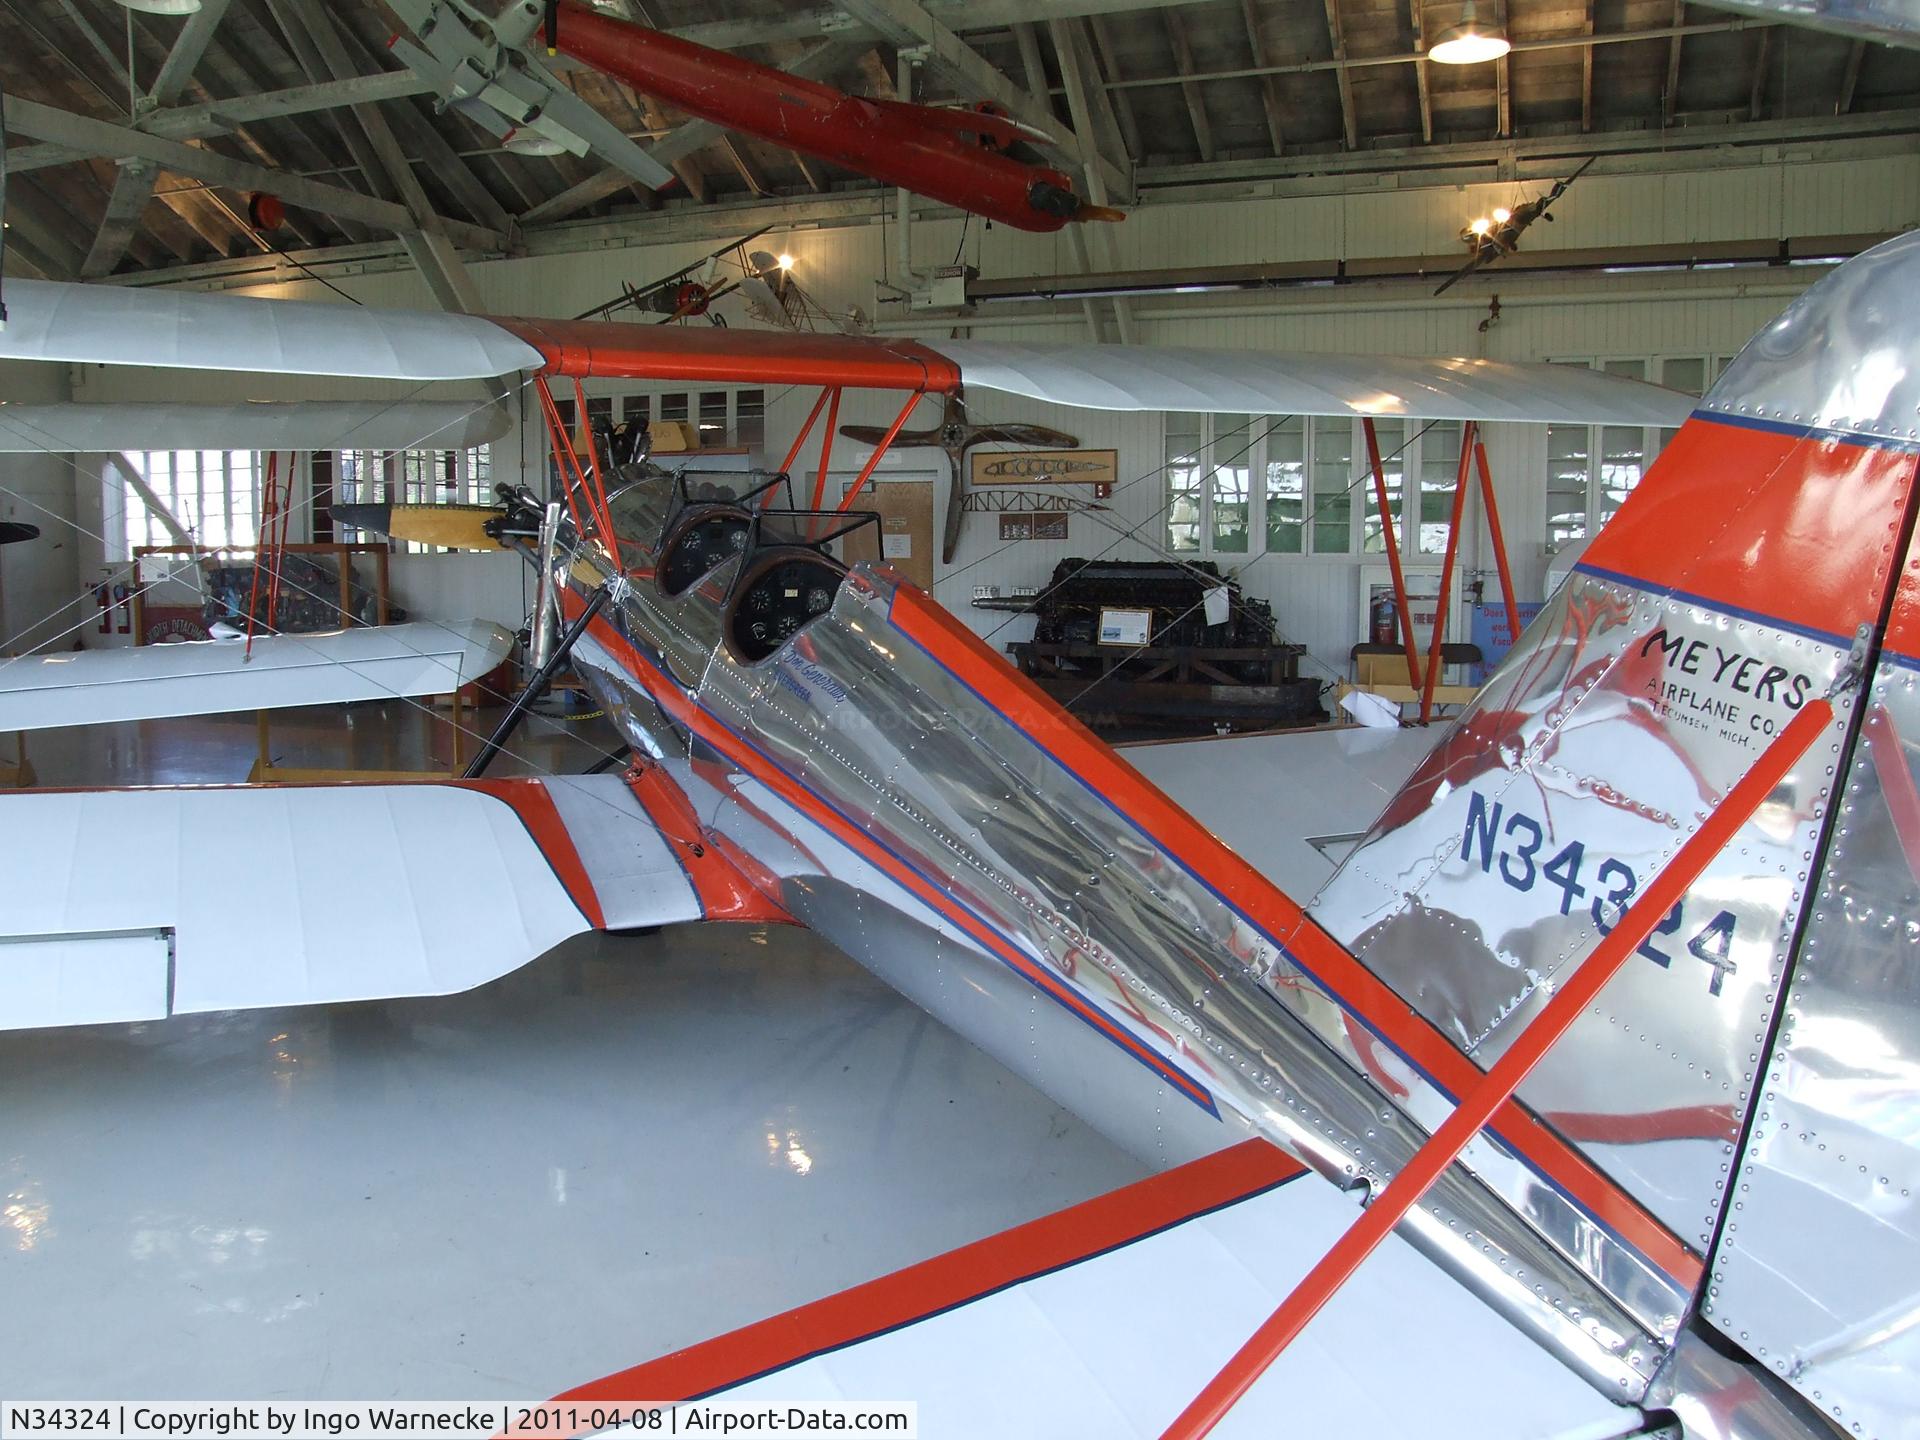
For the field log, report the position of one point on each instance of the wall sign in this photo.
(1041, 526)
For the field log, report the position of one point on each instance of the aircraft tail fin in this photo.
(1749, 572)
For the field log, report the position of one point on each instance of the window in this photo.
(1592, 469)
(1333, 477)
(1286, 497)
(212, 493)
(1183, 483)
(1569, 458)
(1229, 483)
(1439, 471)
(1391, 437)
(750, 419)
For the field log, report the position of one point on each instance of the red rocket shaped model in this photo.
(956, 155)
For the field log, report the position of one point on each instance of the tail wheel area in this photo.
(700, 537)
(782, 589)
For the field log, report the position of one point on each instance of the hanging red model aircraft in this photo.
(960, 155)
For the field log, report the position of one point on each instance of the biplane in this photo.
(1601, 1042)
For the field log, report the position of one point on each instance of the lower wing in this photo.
(1105, 1319)
(206, 677)
(139, 904)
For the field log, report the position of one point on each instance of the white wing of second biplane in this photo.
(185, 329)
(249, 425)
(140, 904)
(208, 677)
(1268, 382)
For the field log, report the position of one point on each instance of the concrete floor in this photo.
(629, 1145)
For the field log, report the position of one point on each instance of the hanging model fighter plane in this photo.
(1496, 236)
(1679, 827)
(965, 157)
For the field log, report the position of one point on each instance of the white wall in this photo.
(41, 606)
(1750, 193)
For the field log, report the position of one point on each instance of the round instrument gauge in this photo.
(783, 589)
(701, 537)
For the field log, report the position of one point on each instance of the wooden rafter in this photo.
(1270, 87)
(1349, 123)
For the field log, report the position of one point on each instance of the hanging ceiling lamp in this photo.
(1469, 43)
(163, 7)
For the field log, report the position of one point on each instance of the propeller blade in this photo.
(457, 527)
(874, 434)
(1037, 437)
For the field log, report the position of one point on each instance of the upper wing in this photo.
(1892, 22)
(1266, 382)
(205, 677)
(115, 326)
(188, 330)
(1105, 1319)
(249, 425)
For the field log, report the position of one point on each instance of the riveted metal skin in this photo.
(896, 810)
(1817, 1273)
(1754, 568)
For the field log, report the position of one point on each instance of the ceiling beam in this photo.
(1670, 97)
(1422, 86)
(907, 23)
(1757, 92)
(1182, 51)
(133, 186)
(1586, 71)
(1122, 103)
(99, 137)
(1349, 122)
(1850, 79)
(965, 16)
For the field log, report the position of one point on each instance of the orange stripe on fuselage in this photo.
(1077, 749)
(1798, 528)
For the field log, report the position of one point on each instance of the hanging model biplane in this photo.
(1497, 235)
(973, 157)
(1677, 833)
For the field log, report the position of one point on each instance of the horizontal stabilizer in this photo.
(207, 677)
(458, 527)
(250, 425)
(12, 532)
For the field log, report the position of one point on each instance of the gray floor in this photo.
(632, 1144)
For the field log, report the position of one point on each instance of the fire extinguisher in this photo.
(1382, 622)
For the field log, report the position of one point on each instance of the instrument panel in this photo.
(784, 590)
(702, 538)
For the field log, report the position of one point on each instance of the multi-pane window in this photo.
(1569, 463)
(1333, 477)
(1391, 436)
(1230, 483)
(1185, 498)
(1439, 471)
(212, 493)
(1591, 469)
(1286, 491)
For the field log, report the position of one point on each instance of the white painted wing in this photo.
(1019, 1336)
(1265, 382)
(255, 425)
(139, 904)
(1317, 791)
(188, 330)
(207, 677)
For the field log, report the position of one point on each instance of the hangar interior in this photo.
(651, 1136)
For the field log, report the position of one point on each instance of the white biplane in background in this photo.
(1686, 790)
